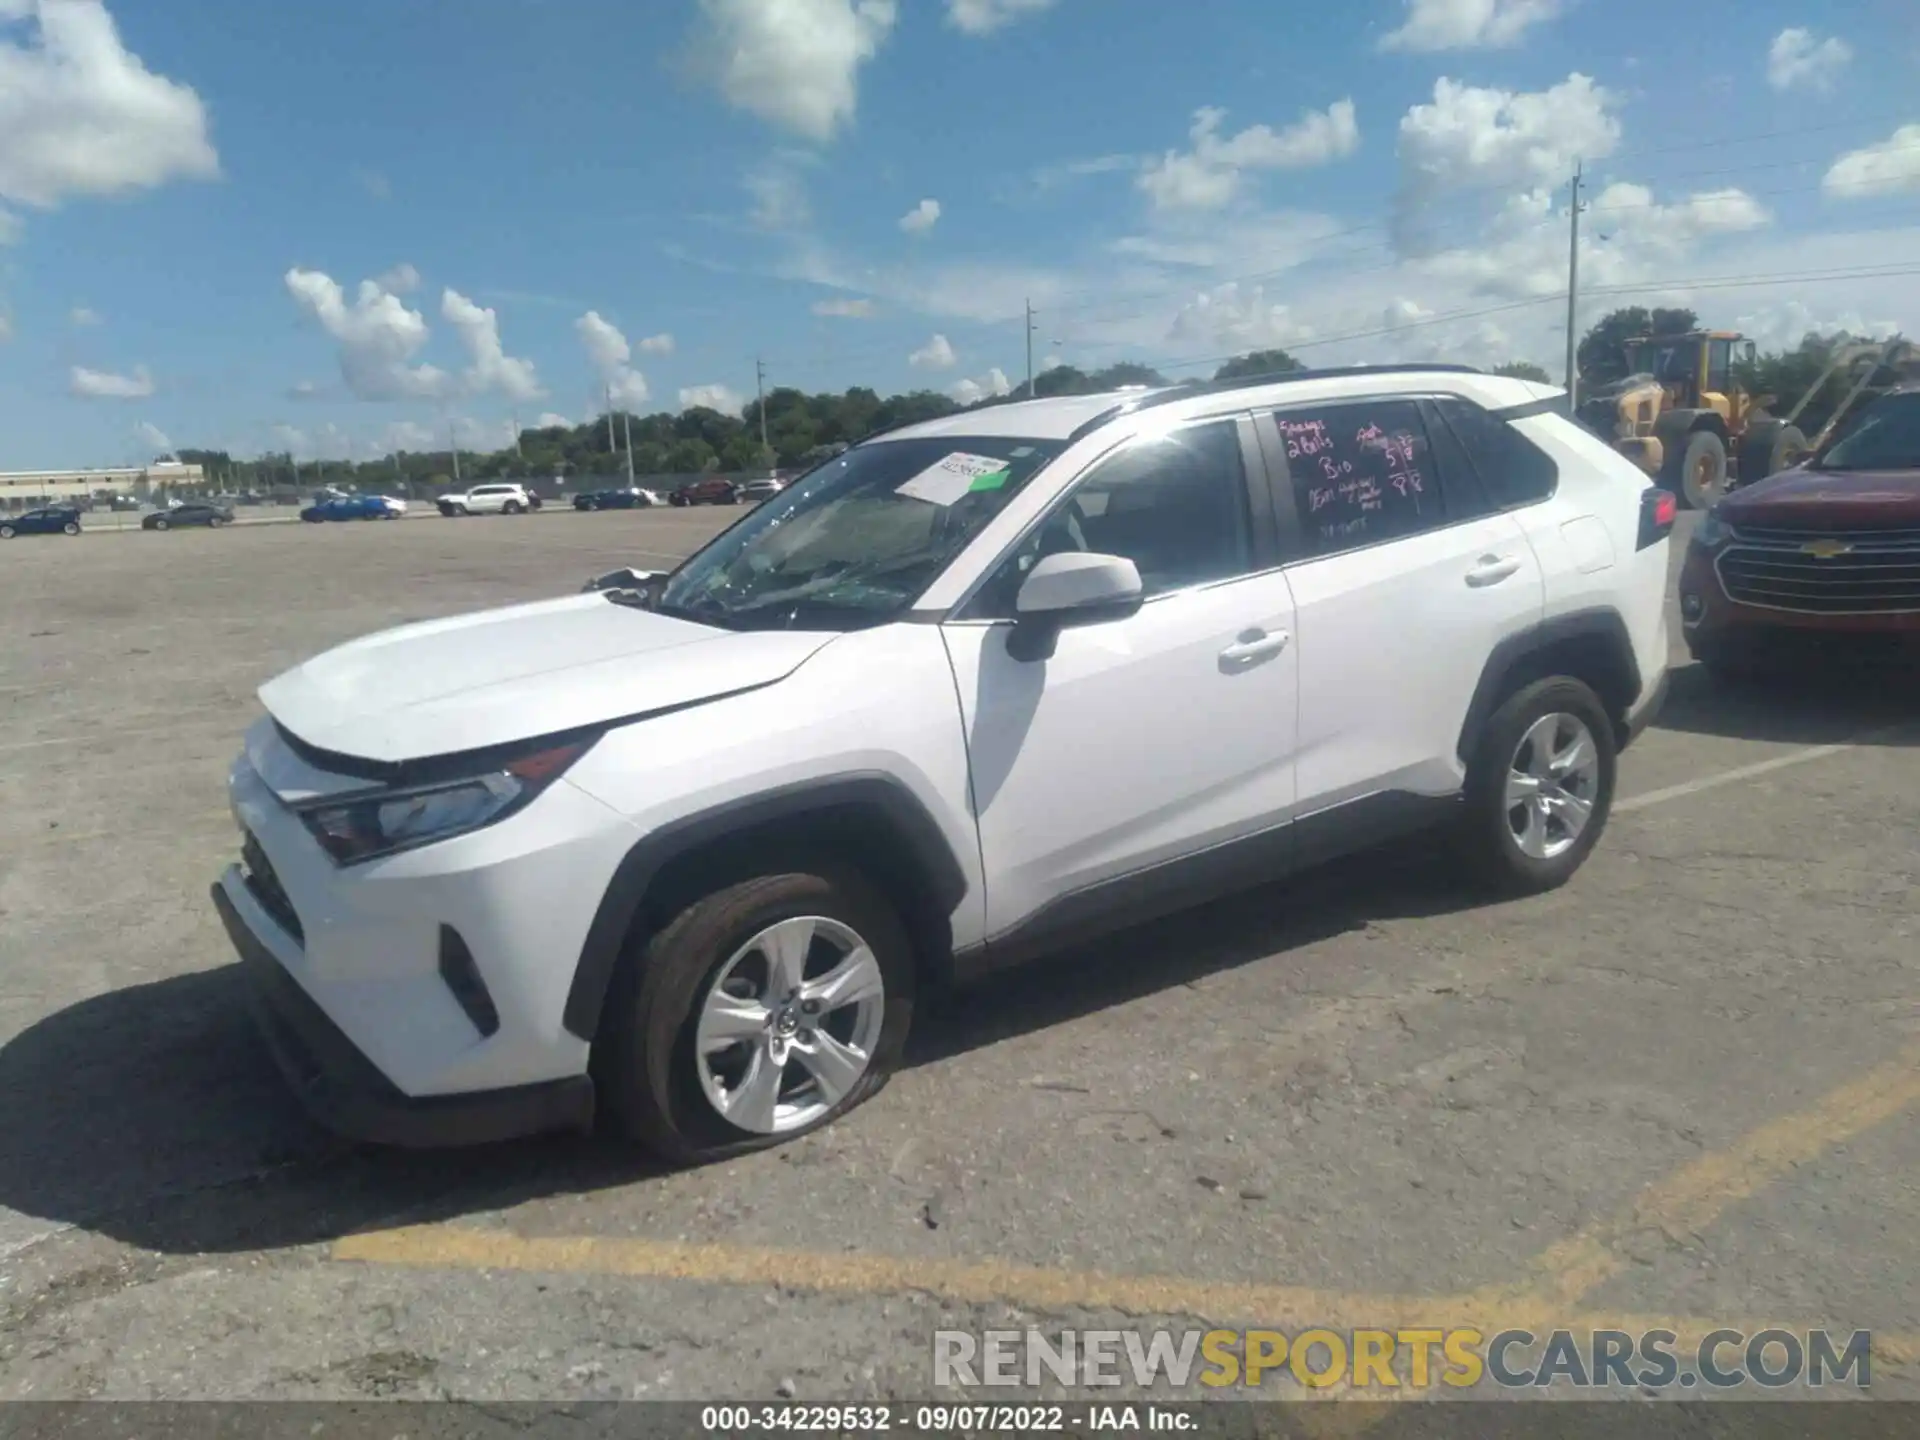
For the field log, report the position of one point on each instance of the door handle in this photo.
(1491, 570)
(1254, 645)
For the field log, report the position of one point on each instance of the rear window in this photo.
(1512, 469)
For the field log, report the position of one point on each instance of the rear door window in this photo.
(1362, 473)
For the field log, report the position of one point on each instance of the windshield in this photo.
(1887, 438)
(855, 541)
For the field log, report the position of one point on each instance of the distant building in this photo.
(21, 488)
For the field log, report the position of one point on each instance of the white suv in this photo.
(686, 849)
(489, 500)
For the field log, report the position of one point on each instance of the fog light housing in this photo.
(1693, 605)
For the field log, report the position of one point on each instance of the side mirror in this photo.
(1071, 589)
(628, 579)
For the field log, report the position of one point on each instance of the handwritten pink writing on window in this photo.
(1367, 434)
(1305, 437)
(1319, 497)
(1399, 449)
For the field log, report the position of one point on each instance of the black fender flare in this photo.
(874, 794)
(1513, 656)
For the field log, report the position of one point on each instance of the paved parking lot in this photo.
(1680, 1091)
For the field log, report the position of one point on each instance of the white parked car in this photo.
(686, 851)
(762, 489)
(490, 499)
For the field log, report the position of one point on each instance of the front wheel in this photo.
(215, 523)
(72, 527)
(7, 532)
(161, 525)
(1539, 787)
(764, 1010)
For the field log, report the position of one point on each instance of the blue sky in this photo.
(253, 226)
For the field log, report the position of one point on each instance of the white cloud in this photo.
(661, 344)
(374, 183)
(492, 369)
(483, 435)
(378, 336)
(1483, 139)
(922, 218)
(972, 392)
(1783, 327)
(723, 398)
(1468, 24)
(549, 420)
(983, 17)
(1886, 168)
(154, 438)
(1052, 362)
(607, 348)
(80, 115)
(792, 63)
(410, 435)
(780, 200)
(936, 354)
(400, 280)
(81, 315)
(842, 309)
(110, 385)
(303, 390)
(1208, 176)
(1796, 60)
(6, 328)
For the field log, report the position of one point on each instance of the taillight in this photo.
(1658, 510)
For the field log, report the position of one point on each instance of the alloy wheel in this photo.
(789, 1025)
(1553, 781)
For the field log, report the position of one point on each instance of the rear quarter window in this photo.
(1512, 470)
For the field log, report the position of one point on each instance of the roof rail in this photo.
(1274, 377)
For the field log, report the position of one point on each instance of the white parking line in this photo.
(1749, 772)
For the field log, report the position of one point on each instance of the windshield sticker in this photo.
(992, 480)
(947, 480)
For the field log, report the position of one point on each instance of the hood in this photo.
(472, 681)
(1828, 500)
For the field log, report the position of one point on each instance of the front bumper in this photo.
(1710, 618)
(345, 1092)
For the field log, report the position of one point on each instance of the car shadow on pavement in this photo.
(1823, 704)
(153, 1114)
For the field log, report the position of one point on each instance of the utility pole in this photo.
(1029, 349)
(626, 424)
(610, 445)
(760, 393)
(1573, 294)
(453, 438)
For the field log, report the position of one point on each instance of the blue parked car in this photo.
(355, 507)
(52, 520)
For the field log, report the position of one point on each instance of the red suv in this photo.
(1822, 556)
(711, 491)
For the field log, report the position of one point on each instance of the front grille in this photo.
(1876, 573)
(265, 887)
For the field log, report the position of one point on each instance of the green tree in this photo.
(1257, 362)
(1602, 354)
(1523, 370)
(690, 456)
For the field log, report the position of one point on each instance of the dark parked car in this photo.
(1817, 560)
(622, 498)
(211, 517)
(48, 520)
(711, 491)
(354, 507)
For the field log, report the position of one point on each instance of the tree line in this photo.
(802, 428)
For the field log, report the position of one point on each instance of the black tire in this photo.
(215, 523)
(1769, 447)
(1701, 477)
(72, 527)
(161, 524)
(644, 1065)
(6, 532)
(512, 507)
(1489, 846)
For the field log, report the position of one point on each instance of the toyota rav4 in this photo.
(688, 851)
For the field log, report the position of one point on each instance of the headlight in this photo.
(1712, 531)
(370, 824)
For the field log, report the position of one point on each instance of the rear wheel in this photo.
(72, 527)
(1769, 447)
(512, 507)
(7, 532)
(764, 1010)
(1539, 787)
(162, 524)
(1703, 470)
(215, 523)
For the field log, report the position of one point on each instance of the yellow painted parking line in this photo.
(453, 1247)
(1696, 1195)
